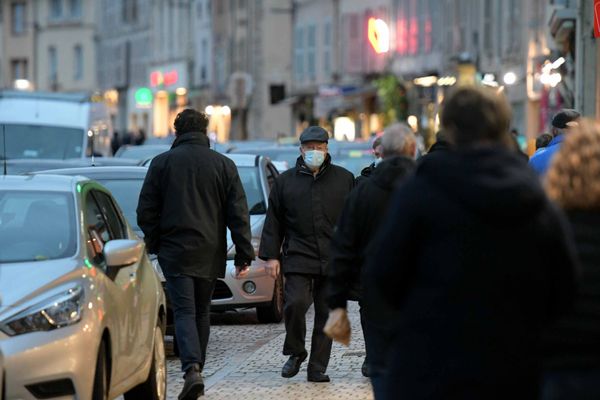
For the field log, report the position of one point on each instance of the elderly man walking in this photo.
(362, 214)
(304, 206)
(190, 197)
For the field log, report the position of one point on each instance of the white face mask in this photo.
(314, 158)
(378, 161)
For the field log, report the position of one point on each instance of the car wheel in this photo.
(273, 312)
(155, 386)
(100, 390)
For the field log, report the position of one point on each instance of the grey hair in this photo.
(395, 139)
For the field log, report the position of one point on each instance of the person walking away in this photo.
(358, 223)
(304, 205)
(562, 123)
(572, 345)
(140, 139)
(367, 171)
(190, 196)
(115, 142)
(476, 261)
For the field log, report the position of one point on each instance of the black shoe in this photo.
(194, 384)
(317, 377)
(292, 366)
(365, 369)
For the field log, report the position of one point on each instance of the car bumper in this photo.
(230, 294)
(235, 296)
(42, 357)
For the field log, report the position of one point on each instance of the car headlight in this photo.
(58, 311)
(158, 269)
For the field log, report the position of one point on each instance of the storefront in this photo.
(169, 85)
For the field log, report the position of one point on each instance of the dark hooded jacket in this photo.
(303, 210)
(365, 207)
(476, 261)
(573, 342)
(365, 173)
(190, 196)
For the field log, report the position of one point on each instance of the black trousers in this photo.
(301, 290)
(190, 298)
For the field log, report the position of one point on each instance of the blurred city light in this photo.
(209, 110)
(412, 122)
(426, 81)
(344, 129)
(446, 81)
(379, 35)
(22, 84)
(181, 91)
(510, 78)
(225, 110)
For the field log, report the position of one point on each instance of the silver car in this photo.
(82, 311)
(257, 289)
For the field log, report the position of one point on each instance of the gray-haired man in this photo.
(360, 218)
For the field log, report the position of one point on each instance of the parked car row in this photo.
(82, 311)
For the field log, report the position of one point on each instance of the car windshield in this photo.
(127, 193)
(252, 187)
(36, 226)
(354, 164)
(36, 141)
(141, 152)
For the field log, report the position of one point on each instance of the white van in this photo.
(53, 126)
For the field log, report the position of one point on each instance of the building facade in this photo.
(50, 45)
(252, 66)
(335, 64)
(124, 51)
(19, 37)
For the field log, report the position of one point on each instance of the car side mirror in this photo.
(122, 253)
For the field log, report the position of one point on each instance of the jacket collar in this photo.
(558, 139)
(195, 138)
(302, 168)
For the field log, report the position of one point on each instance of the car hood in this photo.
(20, 282)
(256, 226)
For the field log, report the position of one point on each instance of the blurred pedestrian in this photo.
(115, 142)
(562, 122)
(441, 143)
(127, 139)
(572, 345)
(358, 223)
(304, 205)
(190, 197)
(475, 260)
(543, 141)
(367, 171)
(140, 139)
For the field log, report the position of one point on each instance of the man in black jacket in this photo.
(365, 207)
(475, 259)
(304, 206)
(190, 197)
(377, 153)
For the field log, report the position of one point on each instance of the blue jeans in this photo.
(190, 299)
(571, 385)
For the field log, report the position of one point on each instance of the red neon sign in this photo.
(379, 35)
(160, 78)
(597, 18)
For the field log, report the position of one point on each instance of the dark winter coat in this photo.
(303, 210)
(365, 173)
(476, 260)
(365, 207)
(573, 343)
(190, 196)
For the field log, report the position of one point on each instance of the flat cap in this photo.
(314, 134)
(563, 117)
